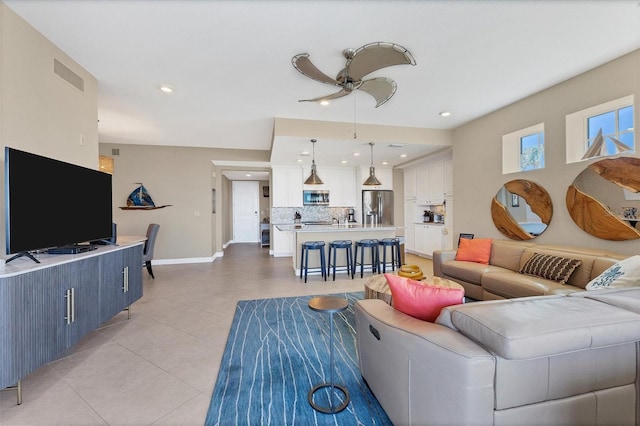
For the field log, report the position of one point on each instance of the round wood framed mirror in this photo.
(521, 209)
(604, 200)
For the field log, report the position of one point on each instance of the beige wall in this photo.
(478, 163)
(182, 177)
(39, 111)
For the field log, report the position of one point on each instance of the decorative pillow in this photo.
(421, 300)
(625, 273)
(553, 268)
(478, 250)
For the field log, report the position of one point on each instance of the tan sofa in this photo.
(500, 278)
(535, 360)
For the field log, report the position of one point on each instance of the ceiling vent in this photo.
(67, 75)
(115, 151)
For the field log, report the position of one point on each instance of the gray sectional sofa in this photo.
(500, 278)
(559, 359)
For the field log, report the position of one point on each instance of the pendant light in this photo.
(372, 179)
(313, 179)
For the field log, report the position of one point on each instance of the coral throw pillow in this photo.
(421, 300)
(477, 250)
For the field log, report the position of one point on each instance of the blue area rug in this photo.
(276, 351)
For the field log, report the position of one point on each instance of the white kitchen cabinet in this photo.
(410, 184)
(420, 242)
(410, 237)
(430, 184)
(287, 186)
(341, 183)
(283, 243)
(448, 178)
(428, 238)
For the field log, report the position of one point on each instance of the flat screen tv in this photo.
(51, 203)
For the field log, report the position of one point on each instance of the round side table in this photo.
(330, 305)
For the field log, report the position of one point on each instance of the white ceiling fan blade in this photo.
(336, 95)
(374, 56)
(381, 88)
(302, 63)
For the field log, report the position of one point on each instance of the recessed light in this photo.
(444, 114)
(324, 103)
(304, 154)
(299, 160)
(344, 161)
(166, 88)
(403, 155)
(356, 154)
(248, 175)
(384, 163)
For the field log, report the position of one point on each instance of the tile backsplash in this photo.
(284, 215)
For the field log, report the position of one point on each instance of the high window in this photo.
(600, 131)
(532, 151)
(523, 150)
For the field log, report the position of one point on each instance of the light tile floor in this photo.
(160, 366)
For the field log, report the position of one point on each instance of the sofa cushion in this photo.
(420, 299)
(551, 267)
(625, 273)
(541, 326)
(478, 250)
(507, 254)
(470, 272)
(624, 298)
(510, 284)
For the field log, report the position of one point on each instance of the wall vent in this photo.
(115, 151)
(67, 75)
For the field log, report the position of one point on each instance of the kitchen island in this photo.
(328, 233)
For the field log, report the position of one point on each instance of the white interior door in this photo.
(246, 226)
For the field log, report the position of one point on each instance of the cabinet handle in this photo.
(70, 314)
(125, 284)
(67, 315)
(73, 304)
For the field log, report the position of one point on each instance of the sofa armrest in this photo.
(423, 373)
(440, 256)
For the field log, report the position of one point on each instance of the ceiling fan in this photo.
(360, 62)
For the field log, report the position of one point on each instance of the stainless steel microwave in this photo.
(315, 198)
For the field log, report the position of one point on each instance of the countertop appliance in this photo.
(351, 215)
(377, 207)
(315, 197)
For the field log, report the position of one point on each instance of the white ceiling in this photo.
(229, 62)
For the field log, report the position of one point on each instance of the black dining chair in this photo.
(147, 253)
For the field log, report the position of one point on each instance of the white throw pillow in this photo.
(625, 273)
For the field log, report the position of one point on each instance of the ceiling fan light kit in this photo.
(313, 179)
(372, 179)
(360, 62)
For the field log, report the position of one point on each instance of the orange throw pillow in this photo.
(477, 250)
(421, 300)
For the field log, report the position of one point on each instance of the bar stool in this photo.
(363, 244)
(341, 244)
(304, 258)
(394, 244)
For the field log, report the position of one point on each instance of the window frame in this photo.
(577, 128)
(512, 149)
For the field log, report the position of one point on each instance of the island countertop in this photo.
(351, 227)
(354, 231)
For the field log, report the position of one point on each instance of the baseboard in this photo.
(187, 260)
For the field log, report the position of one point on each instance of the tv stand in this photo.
(47, 308)
(22, 253)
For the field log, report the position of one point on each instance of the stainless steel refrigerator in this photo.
(377, 207)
